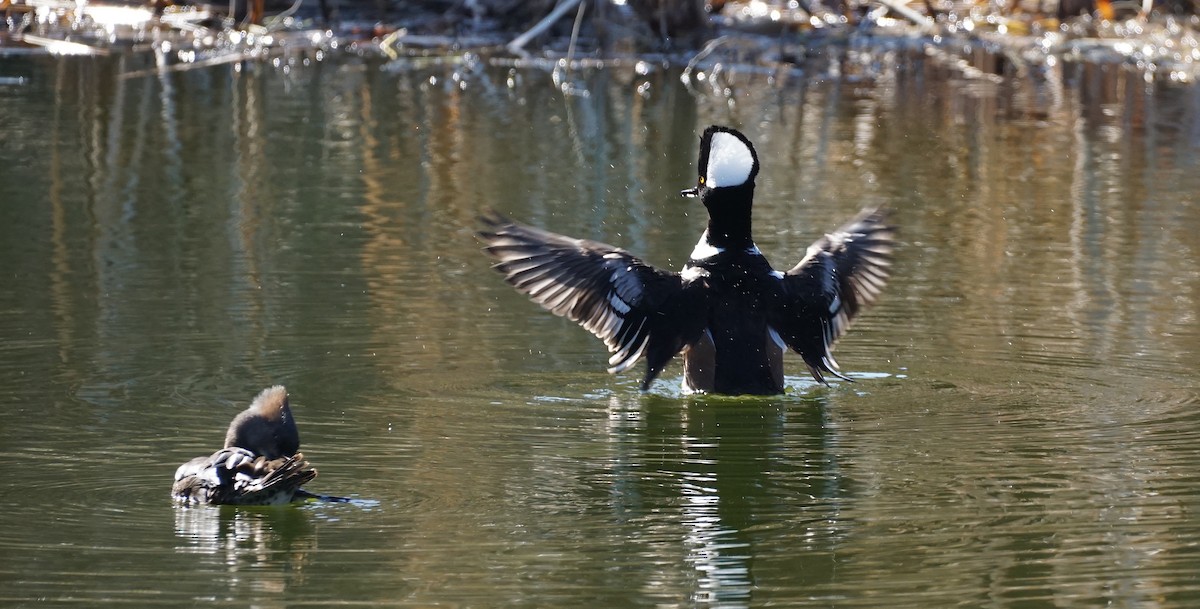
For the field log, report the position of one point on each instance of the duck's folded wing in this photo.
(206, 479)
(265, 481)
(634, 308)
(234, 475)
(841, 273)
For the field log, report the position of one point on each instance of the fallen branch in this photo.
(709, 47)
(232, 57)
(900, 8)
(62, 47)
(574, 35)
(517, 46)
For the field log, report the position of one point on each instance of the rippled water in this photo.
(1023, 433)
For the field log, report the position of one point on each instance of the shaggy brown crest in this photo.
(261, 463)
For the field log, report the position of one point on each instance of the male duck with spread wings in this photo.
(728, 311)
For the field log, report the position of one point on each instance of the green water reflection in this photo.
(1023, 432)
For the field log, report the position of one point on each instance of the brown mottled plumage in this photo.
(267, 427)
(260, 463)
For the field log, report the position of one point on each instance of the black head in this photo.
(728, 166)
(727, 160)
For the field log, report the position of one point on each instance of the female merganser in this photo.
(728, 311)
(260, 463)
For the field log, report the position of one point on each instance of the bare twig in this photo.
(574, 35)
(63, 47)
(901, 8)
(183, 67)
(517, 46)
(705, 52)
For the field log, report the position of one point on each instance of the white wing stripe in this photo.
(617, 303)
(600, 287)
(632, 359)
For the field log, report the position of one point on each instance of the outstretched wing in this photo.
(633, 307)
(841, 273)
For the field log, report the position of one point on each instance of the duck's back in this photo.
(237, 476)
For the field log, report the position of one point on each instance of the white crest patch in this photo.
(729, 161)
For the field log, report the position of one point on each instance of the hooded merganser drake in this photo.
(728, 311)
(260, 464)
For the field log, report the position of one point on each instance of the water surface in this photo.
(1023, 432)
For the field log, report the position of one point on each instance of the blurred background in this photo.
(1022, 432)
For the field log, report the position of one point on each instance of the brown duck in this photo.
(261, 463)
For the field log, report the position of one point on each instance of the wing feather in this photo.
(840, 274)
(635, 308)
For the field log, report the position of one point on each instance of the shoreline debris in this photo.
(1161, 40)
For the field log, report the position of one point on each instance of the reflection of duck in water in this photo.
(261, 463)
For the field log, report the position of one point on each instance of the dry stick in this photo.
(574, 36)
(517, 45)
(705, 52)
(183, 67)
(62, 47)
(900, 8)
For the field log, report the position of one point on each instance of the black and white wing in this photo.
(840, 274)
(234, 475)
(206, 479)
(634, 308)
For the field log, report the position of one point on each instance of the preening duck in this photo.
(261, 463)
(728, 311)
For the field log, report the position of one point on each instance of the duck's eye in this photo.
(702, 180)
